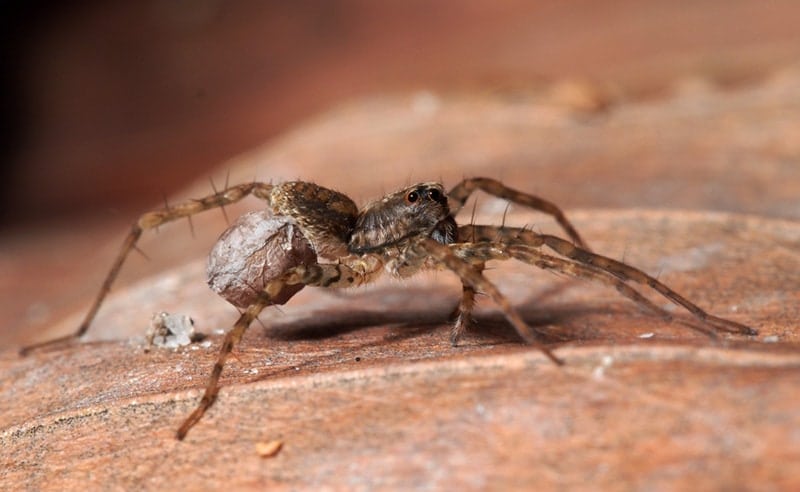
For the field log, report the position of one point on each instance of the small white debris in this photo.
(770, 339)
(169, 330)
(251, 371)
(600, 371)
(649, 334)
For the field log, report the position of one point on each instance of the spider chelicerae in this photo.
(402, 233)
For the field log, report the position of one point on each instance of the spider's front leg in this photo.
(462, 314)
(459, 194)
(585, 262)
(522, 252)
(352, 271)
(423, 248)
(152, 220)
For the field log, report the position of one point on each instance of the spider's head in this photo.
(420, 209)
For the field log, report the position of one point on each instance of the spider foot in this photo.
(54, 343)
(462, 322)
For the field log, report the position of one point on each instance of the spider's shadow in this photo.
(552, 323)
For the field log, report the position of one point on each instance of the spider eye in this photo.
(434, 194)
(412, 196)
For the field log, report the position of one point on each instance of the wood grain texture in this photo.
(365, 390)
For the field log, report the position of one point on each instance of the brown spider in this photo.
(404, 232)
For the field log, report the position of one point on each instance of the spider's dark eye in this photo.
(434, 194)
(412, 196)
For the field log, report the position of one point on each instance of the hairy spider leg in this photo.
(487, 251)
(333, 275)
(616, 268)
(151, 220)
(459, 194)
(462, 314)
(424, 248)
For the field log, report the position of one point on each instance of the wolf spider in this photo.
(404, 232)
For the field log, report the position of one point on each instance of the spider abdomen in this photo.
(254, 251)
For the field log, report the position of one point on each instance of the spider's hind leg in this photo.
(333, 275)
(152, 220)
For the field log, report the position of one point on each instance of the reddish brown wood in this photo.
(365, 390)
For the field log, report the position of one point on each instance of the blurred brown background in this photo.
(120, 103)
(667, 130)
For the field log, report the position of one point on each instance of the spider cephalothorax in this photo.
(420, 209)
(404, 232)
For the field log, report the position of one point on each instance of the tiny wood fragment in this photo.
(268, 449)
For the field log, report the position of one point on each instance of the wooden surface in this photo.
(363, 388)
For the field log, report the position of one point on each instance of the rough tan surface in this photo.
(414, 413)
(363, 388)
